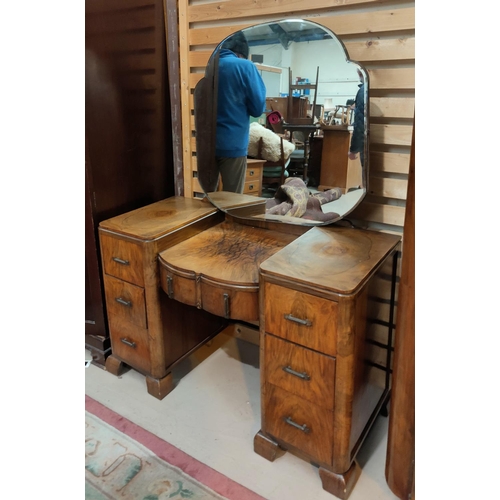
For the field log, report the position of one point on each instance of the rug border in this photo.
(216, 481)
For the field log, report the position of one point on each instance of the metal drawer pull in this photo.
(303, 428)
(123, 302)
(127, 342)
(304, 322)
(303, 376)
(226, 306)
(121, 261)
(251, 172)
(250, 187)
(170, 287)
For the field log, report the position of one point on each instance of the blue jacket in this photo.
(241, 94)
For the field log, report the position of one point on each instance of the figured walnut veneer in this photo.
(148, 331)
(218, 269)
(320, 390)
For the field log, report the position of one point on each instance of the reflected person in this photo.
(358, 133)
(241, 94)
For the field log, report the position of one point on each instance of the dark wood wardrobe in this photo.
(128, 131)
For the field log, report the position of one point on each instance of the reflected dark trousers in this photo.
(233, 172)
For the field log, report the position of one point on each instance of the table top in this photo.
(157, 219)
(333, 259)
(227, 253)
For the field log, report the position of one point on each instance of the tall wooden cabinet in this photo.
(128, 139)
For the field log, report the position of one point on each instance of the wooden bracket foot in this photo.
(266, 447)
(160, 387)
(340, 485)
(115, 366)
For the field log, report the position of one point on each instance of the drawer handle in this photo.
(127, 342)
(303, 376)
(303, 428)
(304, 322)
(250, 172)
(121, 261)
(123, 302)
(170, 287)
(226, 306)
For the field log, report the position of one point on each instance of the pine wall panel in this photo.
(378, 34)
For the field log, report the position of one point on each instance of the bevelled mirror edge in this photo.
(206, 95)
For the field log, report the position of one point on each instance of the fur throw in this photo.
(271, 149)
(295, 200)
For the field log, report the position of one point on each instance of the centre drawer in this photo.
(303, 372)
(228, 300)
(302, 318)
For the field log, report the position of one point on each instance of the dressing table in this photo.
(179, 271)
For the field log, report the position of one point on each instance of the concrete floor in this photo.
(213, 414)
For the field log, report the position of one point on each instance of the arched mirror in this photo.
(308, 148)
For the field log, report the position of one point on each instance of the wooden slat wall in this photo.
(378, 34)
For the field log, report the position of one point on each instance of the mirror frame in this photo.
(205, 115)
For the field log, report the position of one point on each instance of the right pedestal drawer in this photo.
(299, 423)
(302, 318)
(305, 373)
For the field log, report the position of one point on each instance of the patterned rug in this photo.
(124, 461)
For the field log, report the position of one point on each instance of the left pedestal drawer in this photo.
(125, 301)
(130, 344)
(122, 259)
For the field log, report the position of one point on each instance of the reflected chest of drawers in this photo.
(253, 177)
(148, 331)
(327, 304)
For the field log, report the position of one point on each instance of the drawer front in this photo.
(125, 301)
(299, 423)
(230, 302)
(252, 187)
(253, 173)
(303, 372)
(181, 287)
(130, 344)
(301, 318)
(122, 259)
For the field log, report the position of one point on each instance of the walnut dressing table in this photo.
(178, 271)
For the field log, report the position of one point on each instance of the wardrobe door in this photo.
(129, 160)
(400, 462)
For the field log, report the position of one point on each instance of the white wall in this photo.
(338, 80)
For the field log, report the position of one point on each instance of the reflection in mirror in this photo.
(281, 125)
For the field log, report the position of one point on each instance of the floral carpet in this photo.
(119, 466)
